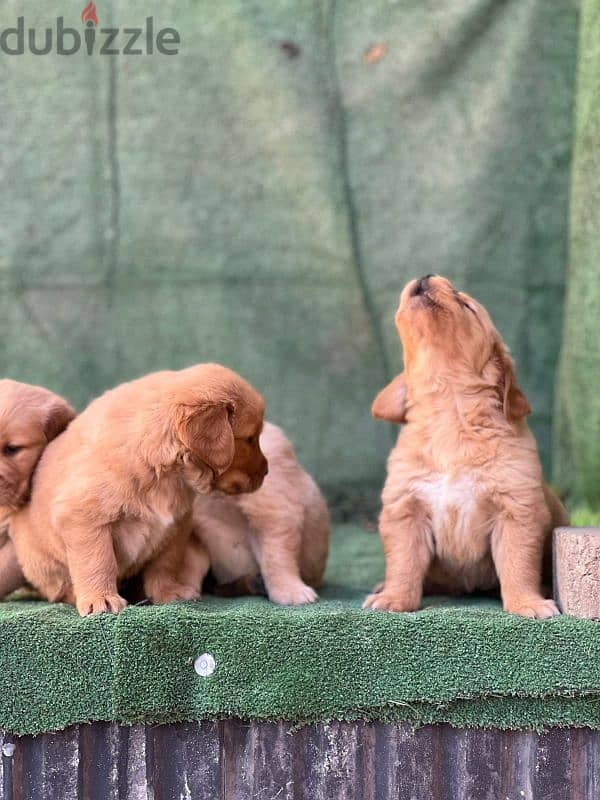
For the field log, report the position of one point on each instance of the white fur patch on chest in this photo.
(137, 539)
(165, 520)
(451, 501)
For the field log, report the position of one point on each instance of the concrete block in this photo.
(576, 554)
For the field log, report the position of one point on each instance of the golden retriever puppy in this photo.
(30, 418)
(465, 506)
(113, 495)
(280, 531)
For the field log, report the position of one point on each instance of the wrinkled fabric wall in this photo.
(260, 199)
(577, 442)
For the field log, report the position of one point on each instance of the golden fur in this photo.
(465, 506)
(113, 495)
(30, 418)
(280, 531)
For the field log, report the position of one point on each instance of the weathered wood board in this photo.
(237, 760)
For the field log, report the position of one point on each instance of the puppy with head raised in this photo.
(465, 506)
(280, 532)
(113, 495)
(30, 418)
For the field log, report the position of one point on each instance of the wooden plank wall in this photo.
(235, 760)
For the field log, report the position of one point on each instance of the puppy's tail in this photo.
(559, 518)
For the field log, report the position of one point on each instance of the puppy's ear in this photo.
(207, 433)
(514, 403)
(57, 415)
(390, 403)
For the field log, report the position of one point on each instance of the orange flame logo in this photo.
(89, 14)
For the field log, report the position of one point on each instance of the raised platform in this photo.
(459, 661)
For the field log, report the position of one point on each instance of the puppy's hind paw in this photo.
(293, 594)
(533, 607)
(172, 592)
(384, 601)
(102, 604)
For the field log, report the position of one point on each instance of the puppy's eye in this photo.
(464, 304)
(11, 450)
(250, 440)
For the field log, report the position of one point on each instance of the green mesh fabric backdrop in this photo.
(260, 199)
(577, 450)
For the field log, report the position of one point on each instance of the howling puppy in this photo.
(465, 506)
(113, 495)
(30, 418)
(280, 532)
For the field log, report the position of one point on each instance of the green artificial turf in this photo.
(463, 662)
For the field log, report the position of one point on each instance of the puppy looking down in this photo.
(30, 418)
(465, 506)
(113, 495)
(280, 532)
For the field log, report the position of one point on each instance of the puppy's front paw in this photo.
(172, 592)
(101, 604)
(294, 593)
(532, 606)
(386, 601)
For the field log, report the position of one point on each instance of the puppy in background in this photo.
(280, 532)
(113, 495)
(465, 506)
(30, 418)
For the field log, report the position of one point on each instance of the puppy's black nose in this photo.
(422, 285)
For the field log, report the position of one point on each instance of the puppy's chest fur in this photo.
(460, 514)
(156, 518)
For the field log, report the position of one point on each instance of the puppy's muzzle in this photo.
(264, 469)
(13, 489)
(421, 286)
